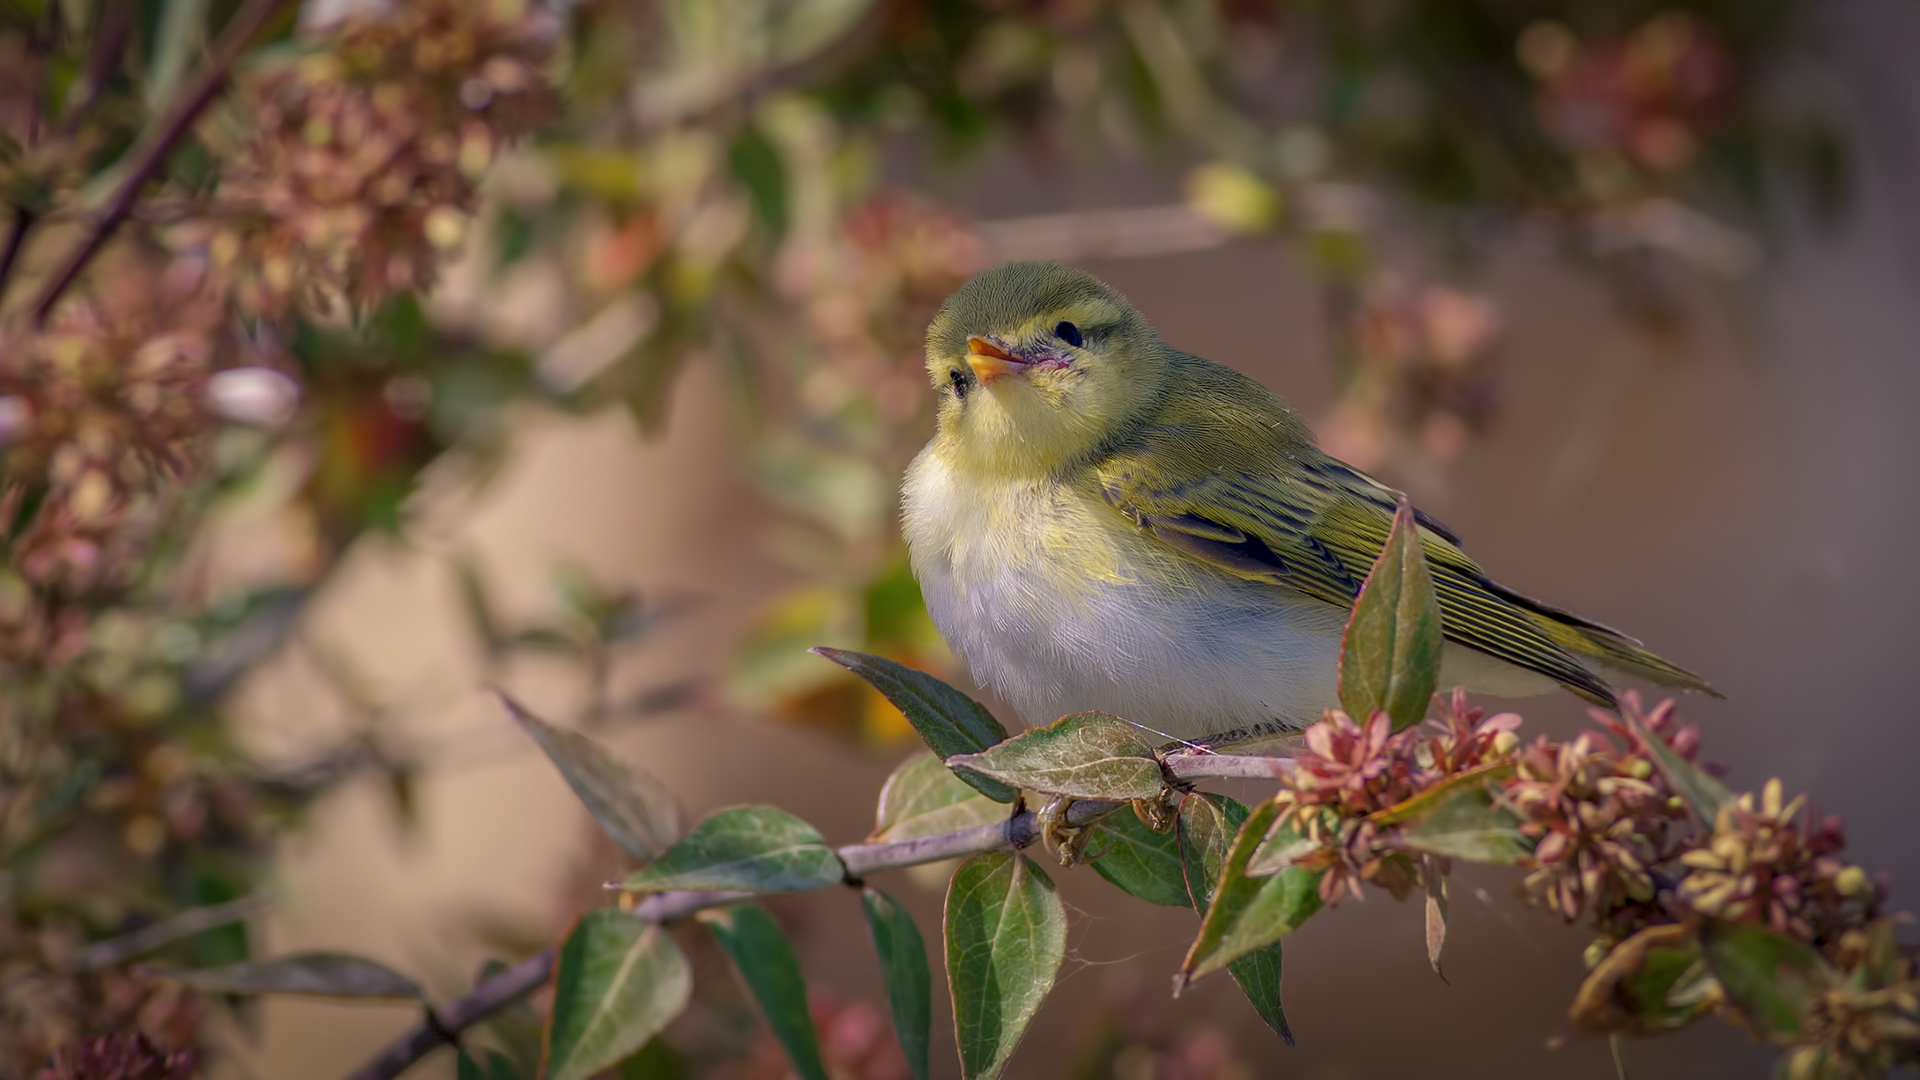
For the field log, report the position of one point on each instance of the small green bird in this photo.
(1105, 522)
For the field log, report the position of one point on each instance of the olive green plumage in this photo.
(1060, 404)
(1289, 515)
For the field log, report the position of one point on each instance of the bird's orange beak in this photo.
(990, 361)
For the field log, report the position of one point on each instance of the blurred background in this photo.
(574, 349)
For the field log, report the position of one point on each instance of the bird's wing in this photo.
(1314, 525)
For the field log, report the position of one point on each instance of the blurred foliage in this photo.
(402, 220)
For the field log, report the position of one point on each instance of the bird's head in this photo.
(1036, 364)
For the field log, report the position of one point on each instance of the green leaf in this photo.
(1422, 804)
(495, 1067)
(903, 962)
(1277, 852)
(633, 808)
(177, 38)
(314, 974)
(1390, 653)
(1247, 913)
(924, 798)
(654, 1061)
(618, 980)
(1703, 794)
(1140, 861)
(1258, 976)
(1772, 977)
(1469, 825)
(1655, 980)
(1205, 828)
(804, 28)
(948, 721)
(1084, 756)
(749, 848)
(757, 165)
(1006, 935)
(766, 962)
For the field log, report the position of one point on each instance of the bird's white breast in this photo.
(1059, 605)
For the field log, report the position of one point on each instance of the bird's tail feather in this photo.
(1607, 647)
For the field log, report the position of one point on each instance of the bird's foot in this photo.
(1155, 814)
(1067, 842)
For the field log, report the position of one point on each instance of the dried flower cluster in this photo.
(1601, 818)
(1349, 773)
(118, 1057)
(1867, 1022)
(1614, 837)
(362, 161)
(1631, 109)
(1419, 369)
(102, 415)
(868, 291)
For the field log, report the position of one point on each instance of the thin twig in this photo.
(158, 142)
(861, 859)
(23, 222)
(116, 22)
(118, 950)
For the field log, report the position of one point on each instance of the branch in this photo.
(106, 954)
(23, 221)
(1187, 765)
(109, 41)
(158, 142)
(444, 1026)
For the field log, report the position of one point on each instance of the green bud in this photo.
(1853, 882)
(1596, 952)
(1505, 743)
(1640, 769)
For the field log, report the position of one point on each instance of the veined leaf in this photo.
(1433, 875)
(1006, 935)
(1469, 825)
(1772, 977)
(1655, 980)
(483, 1065)
(654, 1061)
(1206, 829)
(766, 963)
(1084, 756)
(750, 848)
(924, 798)
(1247, 913)
(633, 808)
(1703, 794)
(618, 980)
(1390, 653)
(313, 974)
(1426, 801)
(1277, 852)
(1138, 860)
(948, 721)
(903, 962)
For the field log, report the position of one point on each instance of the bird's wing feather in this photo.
(1272, 508)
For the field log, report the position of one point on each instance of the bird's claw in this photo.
(1067, 842)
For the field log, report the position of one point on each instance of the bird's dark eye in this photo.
(959, 382)
(1069, 333)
